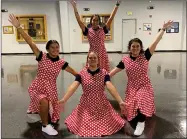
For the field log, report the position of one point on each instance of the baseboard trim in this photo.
(119, 52)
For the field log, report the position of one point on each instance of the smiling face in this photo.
(53, 48)
(135, 47)
(95, 20)
(92, 59)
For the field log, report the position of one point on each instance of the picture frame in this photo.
(104, 18)
(35, 25)
(147, 26)
(174, 28)
(8, 30)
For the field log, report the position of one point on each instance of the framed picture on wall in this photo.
(147, 26)
(8, 30)
(174, 28)
(35, 26)
(104, 19)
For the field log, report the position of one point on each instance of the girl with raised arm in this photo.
(96, 34)
(139, 98)
(43, 90)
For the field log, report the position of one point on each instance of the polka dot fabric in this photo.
(44, 86)
(97, 44)
(139, 91)
(94, 116)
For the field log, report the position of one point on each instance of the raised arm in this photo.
(159, 36)
(81, 24)
(26, 37)
(112, 14)
(72, 88)
(114, 71)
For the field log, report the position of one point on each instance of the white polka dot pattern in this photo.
(97, 44)
(139, 91)
(44, 86)
(94, 116)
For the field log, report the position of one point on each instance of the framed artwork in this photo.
(104, 19)
(8, 30)
(147, 27)
(174, 28)
(35, 26)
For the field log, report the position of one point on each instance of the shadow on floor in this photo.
(156, 127)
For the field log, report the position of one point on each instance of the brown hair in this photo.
(99, 18)
(138, 41)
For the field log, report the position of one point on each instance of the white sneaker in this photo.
(139, 128)
(49, 130)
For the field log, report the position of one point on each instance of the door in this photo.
(128, 32)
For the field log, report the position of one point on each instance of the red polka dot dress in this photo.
(44, 86)
(96, 40)
(94, 116)
(139, 91)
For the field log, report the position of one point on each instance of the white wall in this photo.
(50, 9)
(63, 26)
(160, 14)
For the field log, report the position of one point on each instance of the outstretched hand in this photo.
(12, 19)
(123, 108)
(61, 104)
(118, 2)
(73, 3)
(167, 24)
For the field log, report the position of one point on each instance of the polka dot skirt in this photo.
(44, 86)
(139, 91)
(94, 116)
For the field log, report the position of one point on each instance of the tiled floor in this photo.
(167, 73)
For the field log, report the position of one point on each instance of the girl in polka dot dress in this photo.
(43, 90)
(139, 98)
(94, 116)
(96, 34)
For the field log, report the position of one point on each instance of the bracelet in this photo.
(117, 4)
(163, 29)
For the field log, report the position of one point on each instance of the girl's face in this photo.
(54, 50)
(135, 48)
(95, 21)
(92, 59)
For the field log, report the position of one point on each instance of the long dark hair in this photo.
(49, 43)
(138, 41)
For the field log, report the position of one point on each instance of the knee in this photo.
(44, 102)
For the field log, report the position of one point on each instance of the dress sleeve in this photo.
(39, 58)
(105, 29)
(65, 65)
(147, 54)
(85, 33)
(121, 65)
(107, 78)
(78, 78)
